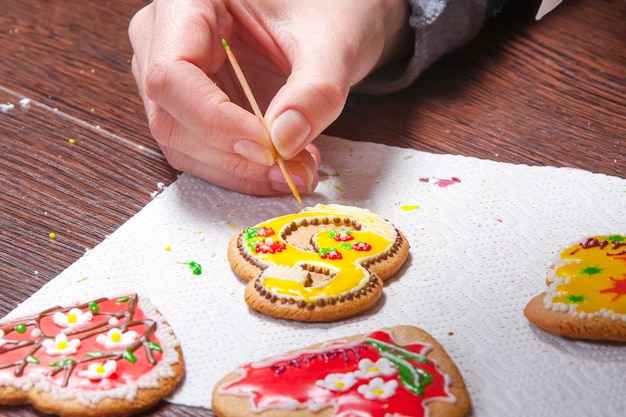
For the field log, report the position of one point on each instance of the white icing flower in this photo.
(2, 339)
(60, 345)
(99, 370)
(74, 318)
(116, 339)
(369, 369)
(378, 389)
(337, 382)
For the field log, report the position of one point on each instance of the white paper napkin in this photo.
(482, 235)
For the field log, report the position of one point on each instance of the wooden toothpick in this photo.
(257, 111)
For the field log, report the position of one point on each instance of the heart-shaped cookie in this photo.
(586, 293)
(105, 357)
(399, 371)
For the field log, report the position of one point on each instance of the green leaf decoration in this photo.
(123, 300)
(20, 328)
(93, 306)
(32, 359)
(414, 379)
(616, 238)
(129, 356)
(155, 346)
(63, 362)
(94, 354)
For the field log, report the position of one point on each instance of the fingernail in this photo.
(289, 132)
(254, 152)
(301, 175)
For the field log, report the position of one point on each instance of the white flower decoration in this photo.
(60, 345)
(2, 339)
(378, 389)
(74, 318)
(116, 339)
(99, 370)
(337, 382)
(369, 369)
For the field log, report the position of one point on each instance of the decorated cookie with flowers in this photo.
(105, 357)
(401, 371)
(324, 263)
(586, 291)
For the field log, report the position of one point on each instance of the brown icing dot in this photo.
(325, 220)
(310, 306)
(332, 301)
(321, 302)
(315, 221)
(301, 304)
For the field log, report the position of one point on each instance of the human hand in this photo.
(300, 58)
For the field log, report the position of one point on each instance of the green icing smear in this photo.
(195, 267)
(591, 270)
(572, 298)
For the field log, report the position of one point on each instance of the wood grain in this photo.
(540, 93)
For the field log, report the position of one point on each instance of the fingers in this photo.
(240, 174)
(328, 55)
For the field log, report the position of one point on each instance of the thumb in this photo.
(312, 98)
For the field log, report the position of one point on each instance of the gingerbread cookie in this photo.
(586, 294)
(400, 371)
(325, 263)
(106, 357)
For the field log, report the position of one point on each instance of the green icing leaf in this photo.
(94, 354)
(20, 328)
(155, 347)
(63, 362)
(129, 356)
(123, 300)
(616, 238)
(93, 306)
(32, 359)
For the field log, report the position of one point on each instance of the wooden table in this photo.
(547, 93)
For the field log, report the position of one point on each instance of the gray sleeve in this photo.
(440, 26)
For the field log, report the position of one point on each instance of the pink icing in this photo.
(21, 351)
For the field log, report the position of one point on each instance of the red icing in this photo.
(618, 288)
(20, 346)
(291, 381)
(270, 246)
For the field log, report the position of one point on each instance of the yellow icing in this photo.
(350, 275)
(592, 280)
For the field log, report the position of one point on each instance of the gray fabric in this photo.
(440, 27)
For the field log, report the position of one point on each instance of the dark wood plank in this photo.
(551, 92)
(75, 56)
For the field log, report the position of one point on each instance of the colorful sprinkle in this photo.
(410, 207)
(52, 235)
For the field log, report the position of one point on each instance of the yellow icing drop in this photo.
(116, 337)
(71, 318)
(62, 345)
